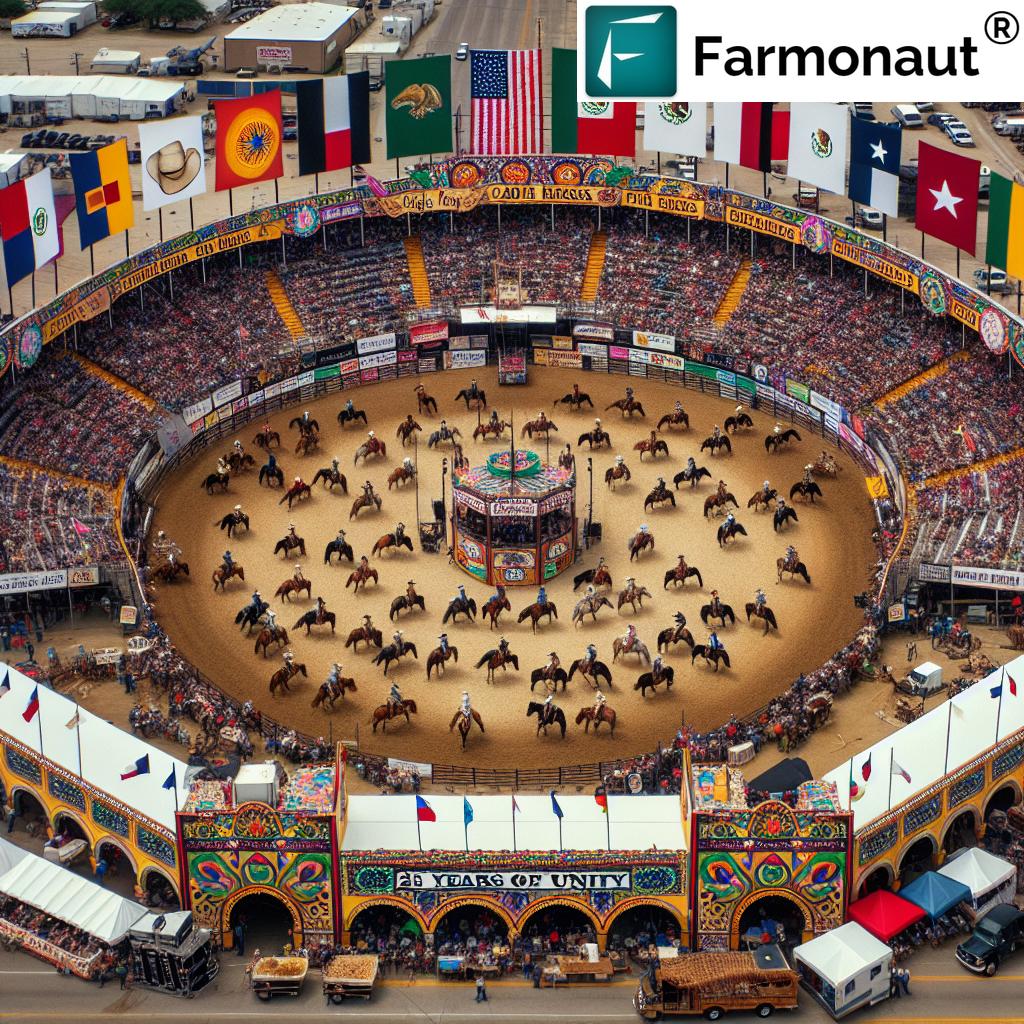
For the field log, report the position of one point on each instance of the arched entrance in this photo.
(961, 831)
(64, 822)
(1002, 799)
(916, 859)
(30, 812)
(557, 926)
(268, 920)
(469, 921)
(638, 926)
(396, 926)
(880, 878)
(775, 911)
(160, 890)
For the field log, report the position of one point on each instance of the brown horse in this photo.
(307, 443)
(675, 419)
(659, 495)
(362, 575)
(296, 492)
(294, 586)
(677, 634)
(279, 635)
(494, 607)
(639, 648)
(627, 406)
(239, 462)
(384, 713)
(632, 595)
(681, 573)
(329, 692)
(762, 612)
(640, 542)
(406, 429)
(279, 680)
(438, 657)
(652, 448)
(799, 569)
(311, 618)
(401, 475)
(220, 577)
(425, 402)
(587, 605)
(762, 497)
(541, 425)
(169, 571)
(620, 471)
(535, 612)
(374, 446)
(404, 602)
(266, 438)
(465, 725)
(495, 659)
(365, 501)
(369, 636)
(490, 428)
(588, 715)
(390, 540)
(599, 576)
(719, 502)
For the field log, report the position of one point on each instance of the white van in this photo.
(908, 115)
(925, 680)
(994, 281)
(1012, 127)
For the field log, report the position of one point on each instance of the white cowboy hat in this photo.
(298, 479)
(238, 508)
(173, 167)
(370, 434)
(291, 526)
(297, 566)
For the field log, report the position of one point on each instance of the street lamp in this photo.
(590, 500)
(444, 510)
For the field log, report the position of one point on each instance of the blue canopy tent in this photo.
(935, 894)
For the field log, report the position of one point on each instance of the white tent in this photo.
(10, 855)
(71, 898)
(632, 823)
(991, 879)
(845, 969)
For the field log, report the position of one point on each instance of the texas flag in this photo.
(136, 768)
(334, 122)
(28, 226)
(947, 196)
(32, 708)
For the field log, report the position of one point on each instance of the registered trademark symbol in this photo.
(1001, 27)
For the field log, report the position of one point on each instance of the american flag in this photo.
(507, 104)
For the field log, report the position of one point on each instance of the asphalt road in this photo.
(942, 992)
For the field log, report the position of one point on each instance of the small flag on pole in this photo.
(5, 688)
(467, 812)
(32, 708)
(900, 771)
(555, 809)
(171, 781)
(73, 721)
(601, 798)
(995, 692)
(1013, 684)
(136, 768)
(515, 806)
(424, 812)
(865, 769)
(79, 527)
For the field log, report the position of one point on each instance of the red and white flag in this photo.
(900, 771)
(80, 528)
(506, 109)
(947, 196)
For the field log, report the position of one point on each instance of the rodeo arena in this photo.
(334, 656)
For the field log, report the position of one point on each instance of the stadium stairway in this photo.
(114, 381)
(975, 467)
(417, 271)
(595, 266)
(940, 368)
(733, 294)
(283, 305)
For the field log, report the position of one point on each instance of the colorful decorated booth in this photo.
(514, 519)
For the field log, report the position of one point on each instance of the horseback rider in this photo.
(473, 391)
(292, 535)
(777, 429)
(503, 647)
(730, 521)
(222, 467)
(576, 393)
(399, 533)
(691, 467)
(722, 490)
(620, 462)
(340, 539)
(395, 697)
(372, 444)
(548, 709)
(630, 586)
(589, 659)
(410, 592)
(368, 491)
(739, 411)
(465, 708)
(306, 419)
(760, 599)
(442, 644)
(407, 465)
(678, 409)
(552, 666)
(461, 598)
(591, 595)
(542, 597)
(256, 603)
(443, 431)
(228, 564)
(271, 619)
(494, 422)
(791, 557)
(808, 474)
(297, 485)
(716, 434)
(643, 533)
(297, 575)
(289, 659)
(681, 567)
(335, 468)
(565, 459)
(368, 625)
(766, 490)
(271, 465)
(396, 639)
(629, 396)
(321, 610)
(363, 568)
(716, 603)
(350, 409)
(597, 426)
(680, 620)
(239, 450)
(659, 486)
(714, 644)
(542, 419)
(657, 668)
(780, 505)
(629, 638)
(266, 431)
(334, 677)
(600, 700)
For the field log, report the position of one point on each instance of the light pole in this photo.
(444, 510)
(590, 500)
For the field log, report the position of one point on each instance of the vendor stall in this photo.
(935, 894)
(278, 976)
(885, 914)
(991, 880)
(845, 969)
(515, 519)
(350, 975)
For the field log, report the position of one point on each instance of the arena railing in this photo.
(734, 387)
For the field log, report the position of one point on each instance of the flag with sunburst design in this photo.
(249, 135)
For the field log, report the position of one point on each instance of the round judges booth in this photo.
(514, 520)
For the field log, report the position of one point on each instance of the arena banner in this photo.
(344, 211)
(458, 343)
(661, 359)
(20, 582)
(563, 341)
(593, 195)
(471, 501)
(762, 224)
(929, 572)
(327, 372)
(554, 358)
(990, 579)
(594, 331)
(348, 367)
(131, 279)
(592, 351)
(172, 434)
(618, 352)
(876, 264)
(464, 360)
(86, 576)
(833, 410)
(648, 339)
(197, 410)
(514, 507)
(657, 202)
(431, 200)
(799, 391)
(726, 377)
(424, 334)
(85, 309)
(228, 393)
(378, 359)
(576, 881)
(376, 343)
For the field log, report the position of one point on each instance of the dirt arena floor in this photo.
(833, 539)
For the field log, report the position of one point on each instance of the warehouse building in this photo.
(304, 37)
(30, 100)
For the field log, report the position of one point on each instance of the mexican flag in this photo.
(608, 129)
(419, 106)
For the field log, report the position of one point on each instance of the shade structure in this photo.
(935, 894)
(10, 855)
(884, 914)
(990, 879)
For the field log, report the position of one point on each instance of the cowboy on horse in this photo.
(271, 464)
(292, 536)
(548, 710)
(371, 443)
(565, 459)
(716, 606)
(410, 592)
(394, 699)
(306, 423)
(297, 574)
(714, 644)
(760, 599)
(589, 658)
(256, 604)
(465, 707)
(791, 558)
(407, 465)
(658, 669)
(766, 490)
(730, 521)
(399, 643)
(542, 596)
(321, 610)
(552, 666)
(722, 491)
(271, 620)
(228, 564)
(442, 644)
(629, 638)
(222, 467)
(368, 491)
(599, 702)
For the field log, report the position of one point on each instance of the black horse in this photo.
(710, 656)
(693, 476)
(270, 474)
(783, 514)
(468, 395)
(341, 548)
(574, 401)
(331, 476)
(805, 490)
(391, 653)
(596, 437)
(773, 441)
(733, 423)
(305, 426)
(537, 676)
(231, 522)
(404, 602)
(557, 717)
(459, 606)
(598, 671)
(249, 616)
(724, 612)
(713, 443)
(648, 682)
(350, 416)
(727, 533)
(216, 480)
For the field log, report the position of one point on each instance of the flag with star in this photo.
(506, 111)
(947, 196)
(875, 165)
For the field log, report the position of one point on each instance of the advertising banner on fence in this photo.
(797, 390)
(648, 339)
(349, 366)
(226, 394)
(762, 224)
(424, 334)
(563, 341)
(376, 343)
(726, 377)
(662, 359)
(928, 572)
(588, 348)
(86, 576)
(595, 332)
(19, 582)
(552, 357)
(197, 410)
(831, 409)
(378, 359)
(680, 206)
(875, 264)
(331, 214)
(173, 433)
(990, 579)
(462, 360)
(85, 309)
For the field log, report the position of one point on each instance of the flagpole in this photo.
(849, 792)
(514, 849)
(608, 818)
(892, 761)
(419, 838)
(39, 720)
(78, 736)
(949, 725)
(999, 710)
(174, 772)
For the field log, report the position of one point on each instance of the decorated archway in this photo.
(151, 879)
(1002, 797)
(877, 878)
(565, 912)
(961, 829)
(631, 907)
(265, 896)
(73, 824)
(28, 805)
(123, 852)
(916, 858)
(392, 902)
(762, 898)
(480, 903)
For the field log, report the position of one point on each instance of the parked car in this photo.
(958, 133)
(993, 281)
(996, 936)
(462, 52)
(907, 115)
(923, 108)
(941, 119)
(376, 84)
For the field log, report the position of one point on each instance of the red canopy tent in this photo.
(885, 914)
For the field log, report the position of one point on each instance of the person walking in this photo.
(239, 933)
(481, 989)
(903, 977)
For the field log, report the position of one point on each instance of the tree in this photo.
(12, 8)
(174, 11)
(132, 7)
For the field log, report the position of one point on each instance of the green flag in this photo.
(419, 106)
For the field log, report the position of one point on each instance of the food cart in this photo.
(713, 984)
(279, 976)
(350, 975)
(566, 969)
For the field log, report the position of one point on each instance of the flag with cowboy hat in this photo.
(172, 161)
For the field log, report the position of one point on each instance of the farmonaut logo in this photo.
(630, 50)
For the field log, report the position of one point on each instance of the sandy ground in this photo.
(833, 539)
